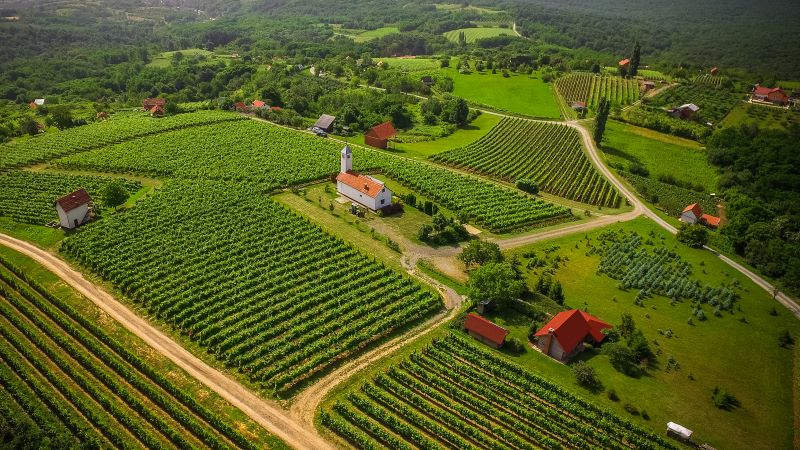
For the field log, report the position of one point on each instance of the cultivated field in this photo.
(456, 394)
(715, 102)
(549, 154)
(69, 384)
(473, 34)
(589, 88)
(256, 285)
(28, 196)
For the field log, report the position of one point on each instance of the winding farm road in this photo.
(267, 414)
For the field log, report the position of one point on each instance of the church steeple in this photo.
(347, 159)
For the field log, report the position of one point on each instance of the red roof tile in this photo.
(762, 90)
(712, 221)
(362, 183)
(74, 200)
(695, 209)
(274, 108)
(572, 327)
(258, 104)
(625, 62)
(382, 131)
(485, 328)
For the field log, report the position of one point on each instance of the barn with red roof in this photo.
(563, 337)
(485, 330)
(379, 135)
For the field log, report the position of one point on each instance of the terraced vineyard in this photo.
(589, 88)
(28, 196)
(454, 394)
(550, 154)
(259, 287)
(276, 156)
(53, 145)
(715, 102)
(64, 383)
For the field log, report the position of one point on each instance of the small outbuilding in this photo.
(156, 111)
(648, 85)
(578, 106)
(149, 103)
(679, 432)
(714, 71)
(258, 104)
(325, 122)
(563, 336)
(379, 135)
(485, 330)
(624, 62)
(73, 209)
(686, 111)
(691, 214)
(241, 107)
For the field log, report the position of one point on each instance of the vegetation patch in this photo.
(670, 198)
(470, 35)
(588, 87)
(715, 101)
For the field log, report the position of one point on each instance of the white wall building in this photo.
(691, 214)
(73, 209)
(362, 189)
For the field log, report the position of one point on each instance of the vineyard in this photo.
(276, 156)
(715, 102)
(453, 394)
(669, 198)
(589, 88)
(64, 383)
(28, 196)
(259, 287)
(53, 145)
(711, 80)
(550, 154)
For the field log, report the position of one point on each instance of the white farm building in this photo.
(73, 209)
(362, 189)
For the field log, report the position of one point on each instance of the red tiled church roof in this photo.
(382, 131)
(362, 183)
(571, 328)
(74, 200)
(485, 328)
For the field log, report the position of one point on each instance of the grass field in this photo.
(364, 35)
(660, 153)
(461, 137)
(412, 64)
(519, 93)
(164, 59)
(739, 355)
(473, 34)
(80, 377)
(765, 117)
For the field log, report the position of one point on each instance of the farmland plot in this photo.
(549, 154)
(256, 285)
(715, 101)
(589, 88)
(454, 394)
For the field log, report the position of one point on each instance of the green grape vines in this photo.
(669, 198)
(53, 145)
(454, 394)
(256, 285)
(549, 154)
(28, 196)
(714, 100)
(589, 88)
(75, 386)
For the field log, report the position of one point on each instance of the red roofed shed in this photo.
(624, 62)
(710, 221)
(149, 103)
(485, 331)
(73, 208)
(379, 135)
(564, 335)
(258, 104)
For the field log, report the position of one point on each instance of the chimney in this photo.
(549, 341)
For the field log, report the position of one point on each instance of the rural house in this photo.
(578, 106)
(485, 331)
(714, 71)
(156, 111)
(693, 214)
(379, 135)
(325, 123)
(73, 209)
(36, 103)
(564, 335)
(775, 96)
(258, 104)
(686, 111)
(679, 432)
(149, 103)
(624, 63)
(362, 189)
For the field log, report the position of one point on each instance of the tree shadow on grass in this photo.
(621, 154)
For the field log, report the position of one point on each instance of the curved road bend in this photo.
(267, 414)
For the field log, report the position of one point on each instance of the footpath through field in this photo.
(267, 414)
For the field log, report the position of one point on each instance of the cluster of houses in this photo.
(693, 214)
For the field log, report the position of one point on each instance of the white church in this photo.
(362, 189)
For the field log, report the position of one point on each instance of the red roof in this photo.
(572, 327)
(382, 131)
(74, 200)
(274, 108)
(712, 221)
(258, 104)
(150, 102)
(362, 183)
(761, 90)
(485, 328)
(695, 209)
(625, 62)
(240, 106)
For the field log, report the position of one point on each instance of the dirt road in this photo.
(267, 414)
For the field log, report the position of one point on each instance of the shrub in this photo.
(586, 376)
(631, 409)
(527, 185)
(514, 345)
(612, 395)
(786, 339)
(723, 399)
(695, 236)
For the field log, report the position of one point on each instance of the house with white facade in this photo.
(362, 189)
(691, 214)
(73, 209)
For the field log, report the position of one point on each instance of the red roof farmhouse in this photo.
(564, 335)
(625, 62)
(693, 214)
(379, 135)
(258, 104)
(362, 189)
(73, 208)
(771, 95)
(485, 331)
